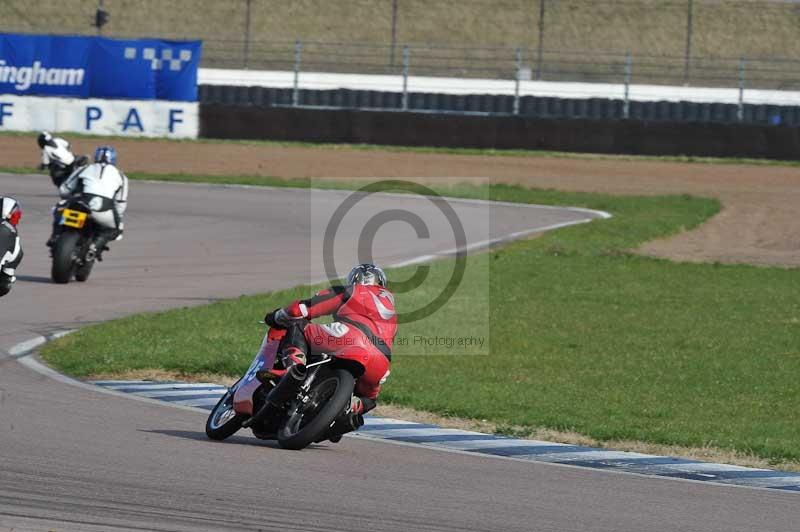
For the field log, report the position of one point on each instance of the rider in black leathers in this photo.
(10, 248)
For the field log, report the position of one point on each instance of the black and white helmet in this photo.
(10, 210)
(366, 274)
(45, 138)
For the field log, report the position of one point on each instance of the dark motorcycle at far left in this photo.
(71, 252)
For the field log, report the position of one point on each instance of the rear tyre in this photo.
(329, 396)
(223, 420)
(82, 273)
(65, 253)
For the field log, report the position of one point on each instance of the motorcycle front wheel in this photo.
(65, 253)
(223, 420)
(329, 396)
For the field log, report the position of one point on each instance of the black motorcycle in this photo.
(71, 250)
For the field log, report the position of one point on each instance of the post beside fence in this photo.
(394, 32)
(516, 81)
(405, 78)
(740, 108)
(539, 49)
(626, 106)
(247, 34)
(687, 59)
(298, 57)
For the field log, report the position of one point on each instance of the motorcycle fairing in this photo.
(248, 384)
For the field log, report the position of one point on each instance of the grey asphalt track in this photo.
(75, 459)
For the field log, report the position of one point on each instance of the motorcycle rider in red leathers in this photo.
(364, 327)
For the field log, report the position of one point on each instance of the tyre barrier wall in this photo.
(609, 136)
(592, 108)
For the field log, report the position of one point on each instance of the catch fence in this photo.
(674, 42)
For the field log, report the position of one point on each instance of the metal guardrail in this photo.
(548, 107)
(515, 66)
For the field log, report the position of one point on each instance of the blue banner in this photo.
(98, 67)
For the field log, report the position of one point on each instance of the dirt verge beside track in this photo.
(758, 223)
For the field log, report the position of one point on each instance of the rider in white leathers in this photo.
(105, 189)
(57, 157)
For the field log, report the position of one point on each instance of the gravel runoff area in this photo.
(758, 224)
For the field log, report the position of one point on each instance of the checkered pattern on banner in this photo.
(170, 58)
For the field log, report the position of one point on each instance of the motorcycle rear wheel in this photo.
(64, 256)
(223, 421)
(330, 395)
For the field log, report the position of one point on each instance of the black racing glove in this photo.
(277, 318)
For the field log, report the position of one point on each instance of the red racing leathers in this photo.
(364, 327)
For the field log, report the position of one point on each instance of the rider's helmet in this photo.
(10, 210)
(105, 154)
(44, 139)
(366, 274)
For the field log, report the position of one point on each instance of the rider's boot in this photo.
(51, 242)
(352, 419)
(57, 229)
(99, 245)
(292, 356)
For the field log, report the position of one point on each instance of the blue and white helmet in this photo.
(106, 155)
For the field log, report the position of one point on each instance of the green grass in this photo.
(583, 335)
